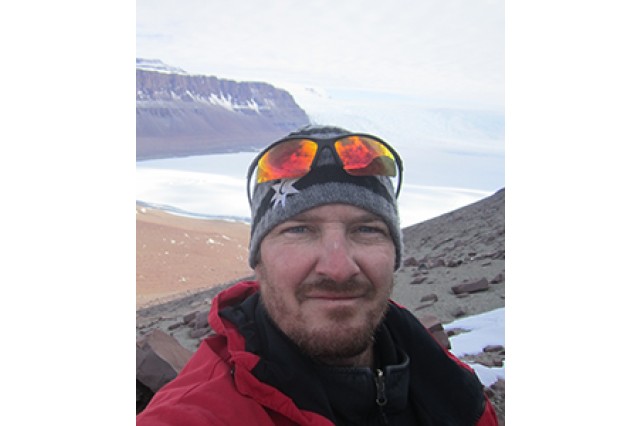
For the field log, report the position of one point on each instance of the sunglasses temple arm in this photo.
(249, 174)
(399, 185)
(400, 173)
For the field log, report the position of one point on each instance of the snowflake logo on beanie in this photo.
(282, 189)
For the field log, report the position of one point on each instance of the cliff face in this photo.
(179, 114)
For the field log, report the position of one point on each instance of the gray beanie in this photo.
(277, 201)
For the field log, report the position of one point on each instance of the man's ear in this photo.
(258, 270)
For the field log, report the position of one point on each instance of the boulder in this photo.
(198, 333)
(493, 348)
(497, 279)
(189, 317)
(411, 261)
(434, 326)
(159, 359)
(431, 297)
(458, 312)
(435, 263)
(174, 326)
(427, 301)
(472, 287)
(201, 320)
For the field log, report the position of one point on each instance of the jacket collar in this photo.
(338, 393)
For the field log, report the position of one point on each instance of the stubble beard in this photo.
(332, 341)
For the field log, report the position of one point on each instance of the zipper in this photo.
(381, 397)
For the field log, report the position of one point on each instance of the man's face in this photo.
(325, 278)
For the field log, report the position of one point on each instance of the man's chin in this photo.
(335, 342)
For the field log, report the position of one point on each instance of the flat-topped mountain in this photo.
(178, 114)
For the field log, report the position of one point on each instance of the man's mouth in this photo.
(335, 296)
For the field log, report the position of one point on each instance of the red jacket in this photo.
(220, 385)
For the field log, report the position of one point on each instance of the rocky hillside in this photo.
(178, 114)
(454, 264)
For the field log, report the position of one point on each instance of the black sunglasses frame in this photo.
(323, 143)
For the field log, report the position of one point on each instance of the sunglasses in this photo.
(294, 157)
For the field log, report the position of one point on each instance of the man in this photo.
(315, 339)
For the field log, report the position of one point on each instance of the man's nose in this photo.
(336, 260)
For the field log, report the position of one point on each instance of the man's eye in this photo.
(369, 229)
(296, 229)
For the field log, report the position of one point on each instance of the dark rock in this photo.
(201, 320)
(472, 287)
(497, 279)
(489, 239)
(448, 240)
(489, 392)
(493, 348)
(174, 326)
(418, 280)
(197, 333)
(433, 324)
(433, 263)
(189, 317)
(159, 358)
(454, 263)
(429, 298)
(438, 262)
(456, 331)
(498, 255)
(411, 261)
(458, 312)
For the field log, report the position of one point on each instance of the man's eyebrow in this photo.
(310, 216)
(368, 217)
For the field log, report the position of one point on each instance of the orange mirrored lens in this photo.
(363, 156)
(286, 160)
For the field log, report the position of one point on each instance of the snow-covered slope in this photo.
(158, 66)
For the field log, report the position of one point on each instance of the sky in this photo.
(449, 51)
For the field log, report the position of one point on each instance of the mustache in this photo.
(351, 286)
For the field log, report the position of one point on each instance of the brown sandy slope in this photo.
(178, 255)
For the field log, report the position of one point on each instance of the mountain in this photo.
(178, 114)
